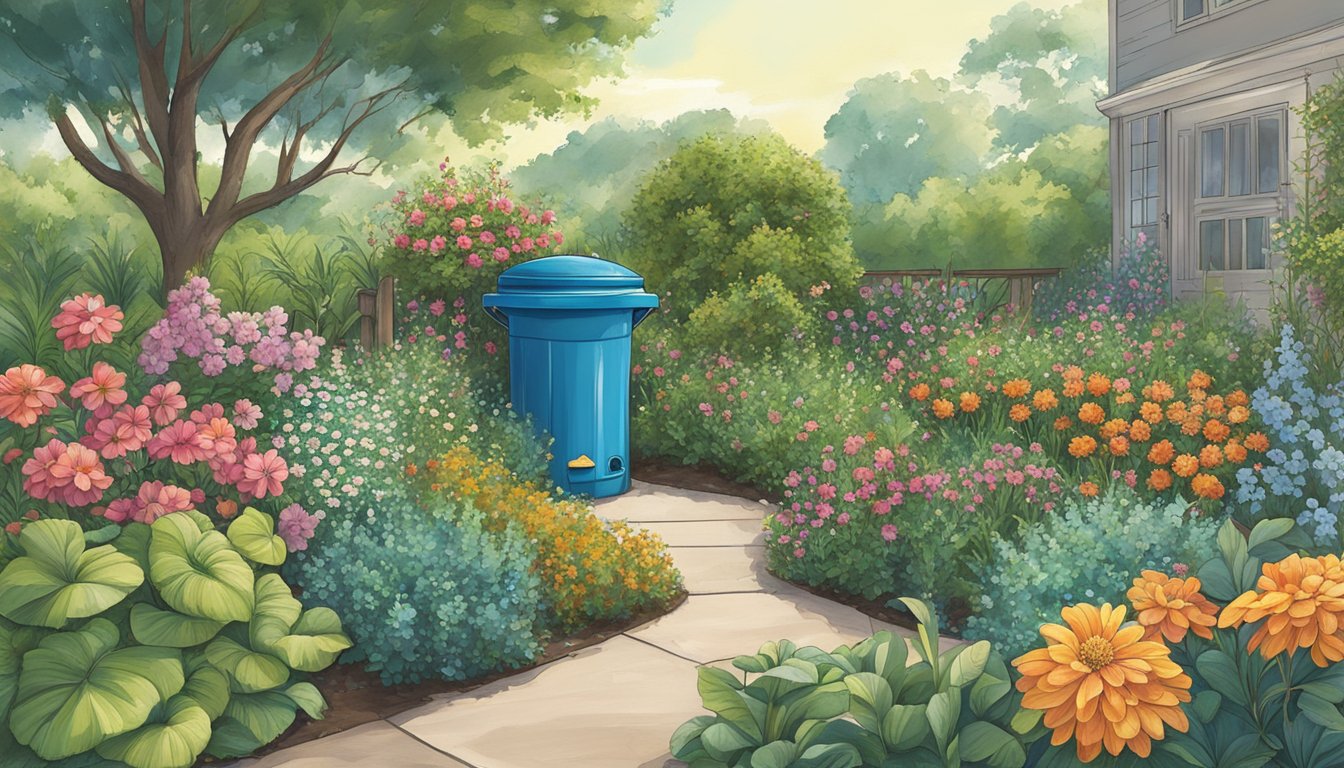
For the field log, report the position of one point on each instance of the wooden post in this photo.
(384, 312)
(367, 307)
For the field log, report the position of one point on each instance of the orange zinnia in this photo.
(1176, 411)
(1234, 451)
(969, 402)
(1020, 412)
(1237, 398)
(1016, 388)
(1185, 465)
(1044, 400)
(1216, 431)
(1139, 431)
(1210, 456)
(1103, 685)
(1089, 489)
(1082, 446)
(1063, 423)
(1199, 380)
(1073, 373)
(1161, 452)
(1168, 607)
(1098, 384)
(1256, 441)
(1150, 412)
(1192, 425)
(1159, 392)
(1114, 427)
(1238, 414)
(920, 392)
(1215, 405)
(1091, 413)
(1073, 388)
(1119, 446)
(1303, 600)
(1124, 398)
(1198, 395)
(943, 408)
(1207, 487)
(1159, 480)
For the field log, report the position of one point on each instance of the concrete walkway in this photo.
(616, 704)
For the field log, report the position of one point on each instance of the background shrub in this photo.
(749, 318)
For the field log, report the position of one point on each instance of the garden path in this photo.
(615, 704)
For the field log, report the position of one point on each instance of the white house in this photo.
(1203, 135)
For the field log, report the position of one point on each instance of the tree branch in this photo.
(153, 79)
(123, 160)
(135, 188)
(138, 126)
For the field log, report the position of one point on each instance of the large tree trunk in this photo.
(184, 245)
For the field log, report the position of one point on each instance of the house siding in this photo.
(1148, 43)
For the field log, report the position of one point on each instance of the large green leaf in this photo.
(968, 664)
(75, 691)
(722, 695)
(14, 642)
(685, 742)
(985, 742)
(253, 533)
(170, 629)
(231, 739)
(58, 579)
(175, 741)
(209, 688)
(248, 670)
(265, 715)
(869, 699)
(905, 726)
(724, 742)
(274, 613)
(198, 572)
(314, 642)
(308, 698)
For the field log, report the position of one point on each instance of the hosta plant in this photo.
(152, 644)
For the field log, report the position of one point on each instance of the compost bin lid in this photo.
(570, 274)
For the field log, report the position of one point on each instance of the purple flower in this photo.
(296, 527)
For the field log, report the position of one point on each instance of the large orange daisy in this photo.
(1103, 684)
(1301, 601)
(1169, 607)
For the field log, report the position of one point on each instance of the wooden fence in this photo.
(999, 287)
(377, 315)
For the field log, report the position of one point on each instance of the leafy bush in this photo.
(727, 210)
(749, 318)
(427, 591)
(1138, 282)
(168, 642)
(862, 705)
(1090, 552)
(590, 570)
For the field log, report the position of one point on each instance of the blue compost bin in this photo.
(570, 319)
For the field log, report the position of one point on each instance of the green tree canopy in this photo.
(156, 81)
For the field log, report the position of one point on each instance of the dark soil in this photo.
(696, 477)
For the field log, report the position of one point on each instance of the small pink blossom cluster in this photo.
(295, 526)
(154, 500)
(194, 327)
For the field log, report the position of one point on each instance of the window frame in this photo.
(1153, 146)
(1227, 207)
(1211, 11)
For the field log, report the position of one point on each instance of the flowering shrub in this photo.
(92, 449)
(231, 350)
(1090, 550)
(453, 235)
(590, 570)
(476, 344)
(1137, 283)
(1302, 476)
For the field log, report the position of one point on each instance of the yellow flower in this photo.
(1301, 600)
(1103, 685)
(1168, 607)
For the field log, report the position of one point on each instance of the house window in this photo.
(1240, 166)
(1191, 10)
(1143, 179)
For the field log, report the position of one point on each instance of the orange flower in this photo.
(1073, 388)
(1256, 441)
(1159, 480)
(411, 469)
(1082, 446)
(1234, 451)
(226, 508)
(1237, 398)
(1063, 423)
(1150, 412)
(1114, 427)
(1089, 489)
(1238, 414)
(1103, 685)
(1073, 373)
(1199, 380)
(1159, 392)
(1198, 395)
(1098, 385)
(1176, 411)
(1168, 608)
(1215, 405)
(943, 408)
(1091, 413)
(1210, 456)
(1020, 412)
(1162, 452)
(1185, 465)
(1016, 388)
(1208, 487)
(1301, 598)
(969, 402)
(920, 392)
(27, 393)
(1044, 400)
(1192, 425)
(1119, 446)
(1216, 431)
(1139, 431)
(1124, 398)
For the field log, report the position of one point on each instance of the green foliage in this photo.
(1090, 553)
(693, 217)
(150, 666)
(428, 592)
(755, 317)
(869, 704)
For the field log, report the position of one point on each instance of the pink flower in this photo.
(774, 416)
(156, 500)
(438, 307)
(11, 455)
(889, 532)
(417, 218)
(437, 244)
(474, 261)
(458, 224)
(217, 437)
(295, 526)
(402, 240)
(164, 401)
(38, 481)
(78, 474)
(500, 254)
(464, 242)
(263, 474)
(104, 387)
(245, 414)
(420, 244)
(177, 441)
(27, 393)
(86, 319)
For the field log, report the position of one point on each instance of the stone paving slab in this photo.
(712, 627)
(649, 503)
(712, 533)
(378, 743)
(714, 570)
(614, 705)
